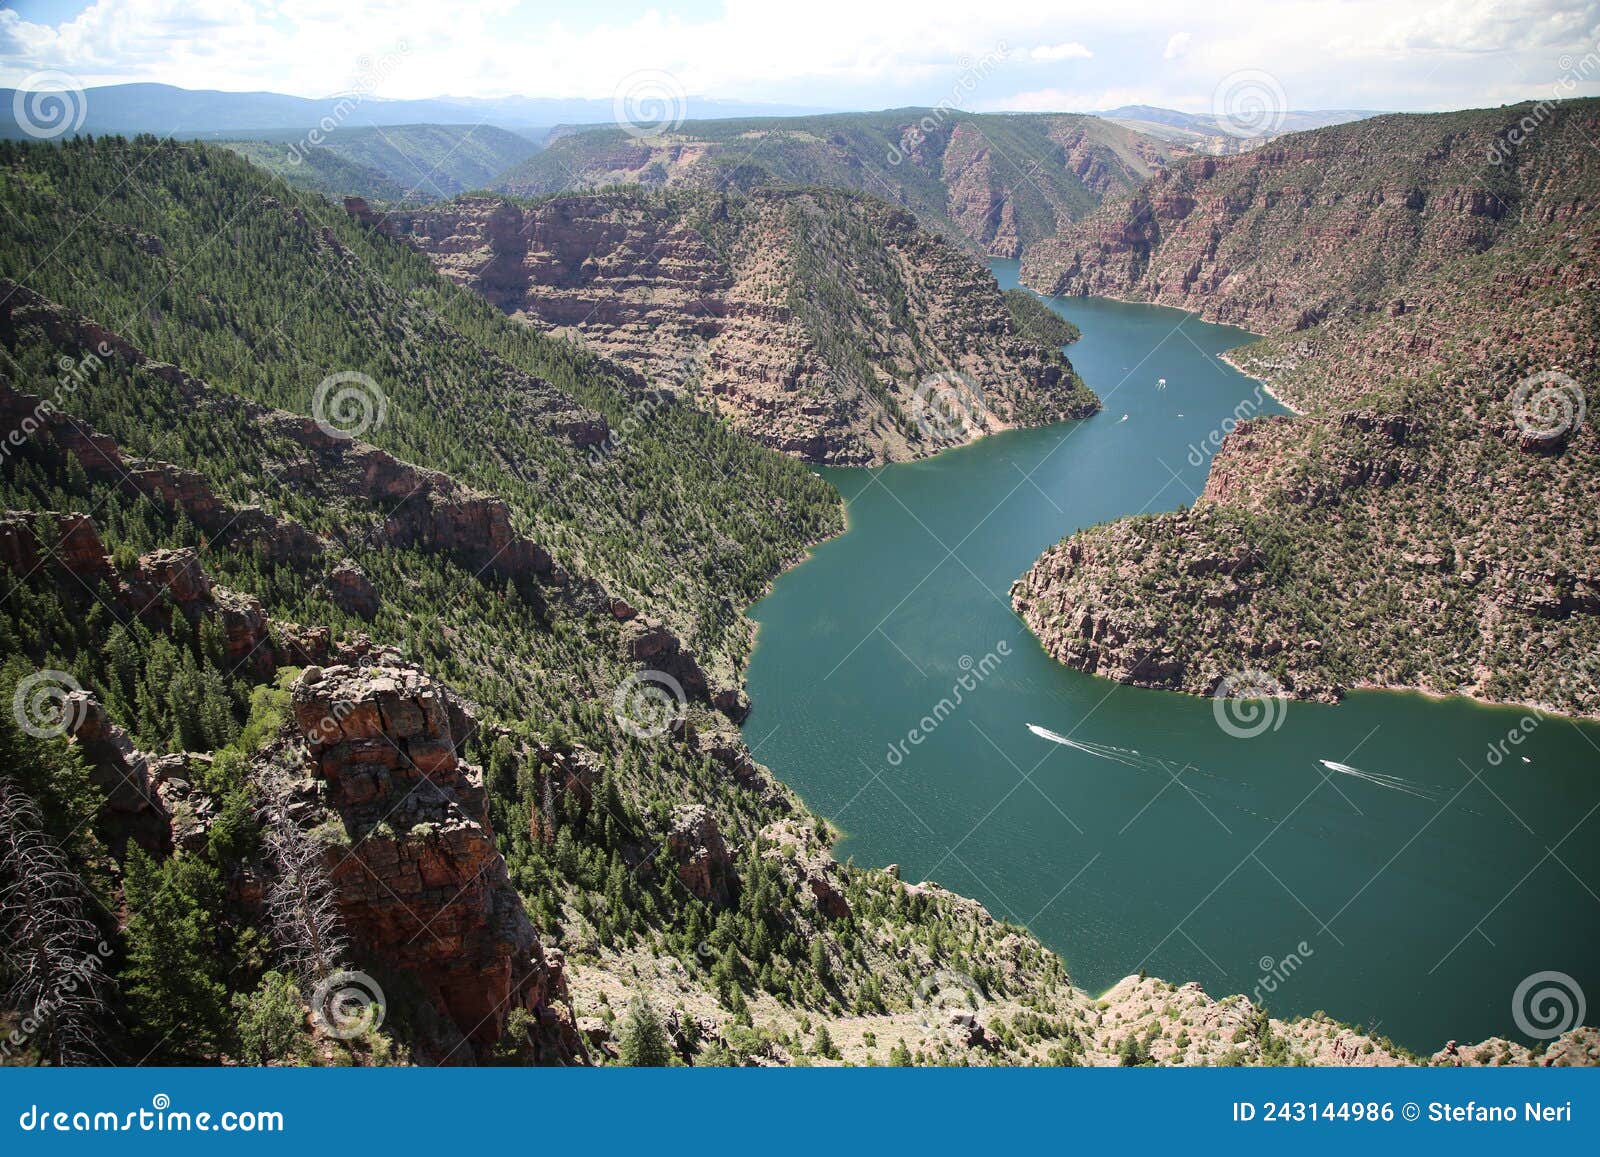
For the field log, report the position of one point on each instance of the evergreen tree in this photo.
(173, 972)
(644, 1040)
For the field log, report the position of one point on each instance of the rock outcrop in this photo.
(133, 809)
(826, 325)
(696, 847)
(423, 509)
(66, 548)
(420, 883)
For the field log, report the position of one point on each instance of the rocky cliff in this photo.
(417, 875)
(1431, 519)
(824, 324)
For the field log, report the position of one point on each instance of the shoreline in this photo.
(1199, 315)
(1264, 383)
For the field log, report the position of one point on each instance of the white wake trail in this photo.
(1379, 779)
(1126, 756)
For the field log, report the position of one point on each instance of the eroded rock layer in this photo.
(824, 324)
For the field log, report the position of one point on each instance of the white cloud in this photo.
(1359, 54)
(1067, 50)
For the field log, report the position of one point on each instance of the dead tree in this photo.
(52, 955)
(302, 906)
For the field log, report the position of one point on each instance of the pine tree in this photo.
(822, 1046)
(644, 1040)
(172, 972)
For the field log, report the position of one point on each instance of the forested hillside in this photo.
(377, 662)
(185, 541)
(391, 163)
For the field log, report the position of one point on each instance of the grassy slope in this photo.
(415, 162)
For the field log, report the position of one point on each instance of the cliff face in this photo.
(823, 324)
(1313, 226)
(994, 184)
(1431, 519)
(418, 878)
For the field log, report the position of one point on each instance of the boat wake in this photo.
(1128, 756)
(1132, 757)
(1392, 782)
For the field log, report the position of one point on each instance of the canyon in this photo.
(826, 325)
(1429, 520)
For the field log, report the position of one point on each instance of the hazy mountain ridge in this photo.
(399, 162)
(167, 110)
(1218, 134)
(996, 182)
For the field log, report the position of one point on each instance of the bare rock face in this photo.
(1579, 1047)
(655, 645)
(421, 885)
(796, 848)
(1438, 338)
(133, 810)
(695, 844)
(352, 591)
(768, 309)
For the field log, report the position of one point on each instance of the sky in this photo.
(842, 54)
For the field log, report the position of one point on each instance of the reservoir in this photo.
(1393, 860)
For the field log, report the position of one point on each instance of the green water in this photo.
(1414, 904)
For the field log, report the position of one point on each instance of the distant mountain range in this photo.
(178, 112)
(1208, 133)
(167, 110)
(995, 182)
